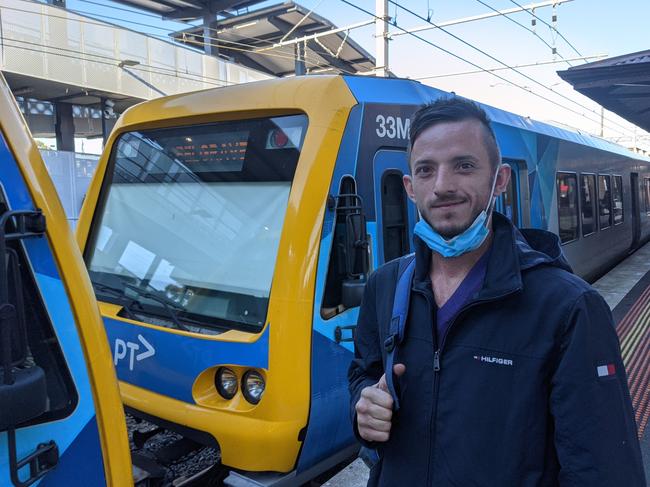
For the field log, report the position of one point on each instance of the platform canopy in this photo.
(281, 40)
(186, 10)
(620, 84)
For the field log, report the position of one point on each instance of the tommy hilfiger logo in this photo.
(606, 370)
(493, 360)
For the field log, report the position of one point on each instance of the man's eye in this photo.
(466, 166)
(423, 170)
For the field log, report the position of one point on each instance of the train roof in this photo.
(364, 89)
(405, 91)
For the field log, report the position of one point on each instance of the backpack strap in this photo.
(398, 320)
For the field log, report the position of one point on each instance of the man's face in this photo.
(451, 175)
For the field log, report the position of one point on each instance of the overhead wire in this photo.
(531, 79)
(553, 48)
(426, 41)
(501, 68)
(551, 27)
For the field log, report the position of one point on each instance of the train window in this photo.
(617, 199)
(567, 206)
(394, 216)
(193, 216)
(646, 194)
(38, 345)
(605, 201)
(588, 203)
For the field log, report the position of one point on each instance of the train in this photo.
(228, 235)
(61, 416)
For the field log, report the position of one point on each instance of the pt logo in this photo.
(122, 348)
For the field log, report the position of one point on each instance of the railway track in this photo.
(162, 458)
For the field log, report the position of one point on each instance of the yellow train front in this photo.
(201, 235)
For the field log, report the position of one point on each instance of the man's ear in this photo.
(503, 177)
(408, 186)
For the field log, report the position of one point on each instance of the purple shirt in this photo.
(471, 284)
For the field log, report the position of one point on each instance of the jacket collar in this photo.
(512, 252)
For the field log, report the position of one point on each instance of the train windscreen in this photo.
(189, 224)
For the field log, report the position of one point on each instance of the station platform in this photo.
(626, 288)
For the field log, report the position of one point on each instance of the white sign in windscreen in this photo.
(216, 236)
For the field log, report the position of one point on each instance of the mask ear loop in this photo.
(491, 201)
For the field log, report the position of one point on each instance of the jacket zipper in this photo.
(436, 368)
(435, 386)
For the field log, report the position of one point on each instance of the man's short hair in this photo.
(453, 109)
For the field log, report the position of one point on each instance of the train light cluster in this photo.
(252, 384)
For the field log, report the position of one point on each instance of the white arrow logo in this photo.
(150, 352)
(121, 347)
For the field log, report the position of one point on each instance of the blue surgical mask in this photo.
(470, 239)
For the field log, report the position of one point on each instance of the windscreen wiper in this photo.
(142, 293)
(118, 293)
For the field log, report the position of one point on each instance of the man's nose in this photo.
(445, 181)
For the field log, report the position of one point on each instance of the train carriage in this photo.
(60, 411)
(228, 234)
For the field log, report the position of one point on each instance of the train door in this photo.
(636, 209)
(51, 430)
(396, 214)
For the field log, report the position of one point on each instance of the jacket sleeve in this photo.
(595, 430)
(367, 366)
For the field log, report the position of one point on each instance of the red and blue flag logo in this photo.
(606, 370)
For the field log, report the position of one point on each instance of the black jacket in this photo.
(517, 400)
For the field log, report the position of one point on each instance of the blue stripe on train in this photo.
(177, 359)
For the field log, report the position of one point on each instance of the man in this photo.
(496, 375)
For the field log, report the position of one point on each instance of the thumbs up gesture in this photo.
(375, 409)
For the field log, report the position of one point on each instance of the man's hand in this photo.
(375, 409)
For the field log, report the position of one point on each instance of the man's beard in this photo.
(450, 233)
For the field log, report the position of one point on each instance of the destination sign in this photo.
(217, 152)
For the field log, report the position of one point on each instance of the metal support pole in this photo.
(381, 37)
(602, 121)
(64, 127)
(299, 49)
(210, 46)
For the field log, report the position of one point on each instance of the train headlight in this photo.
(226, 382)
(253, 386)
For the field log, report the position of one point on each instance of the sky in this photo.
(585, 28)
